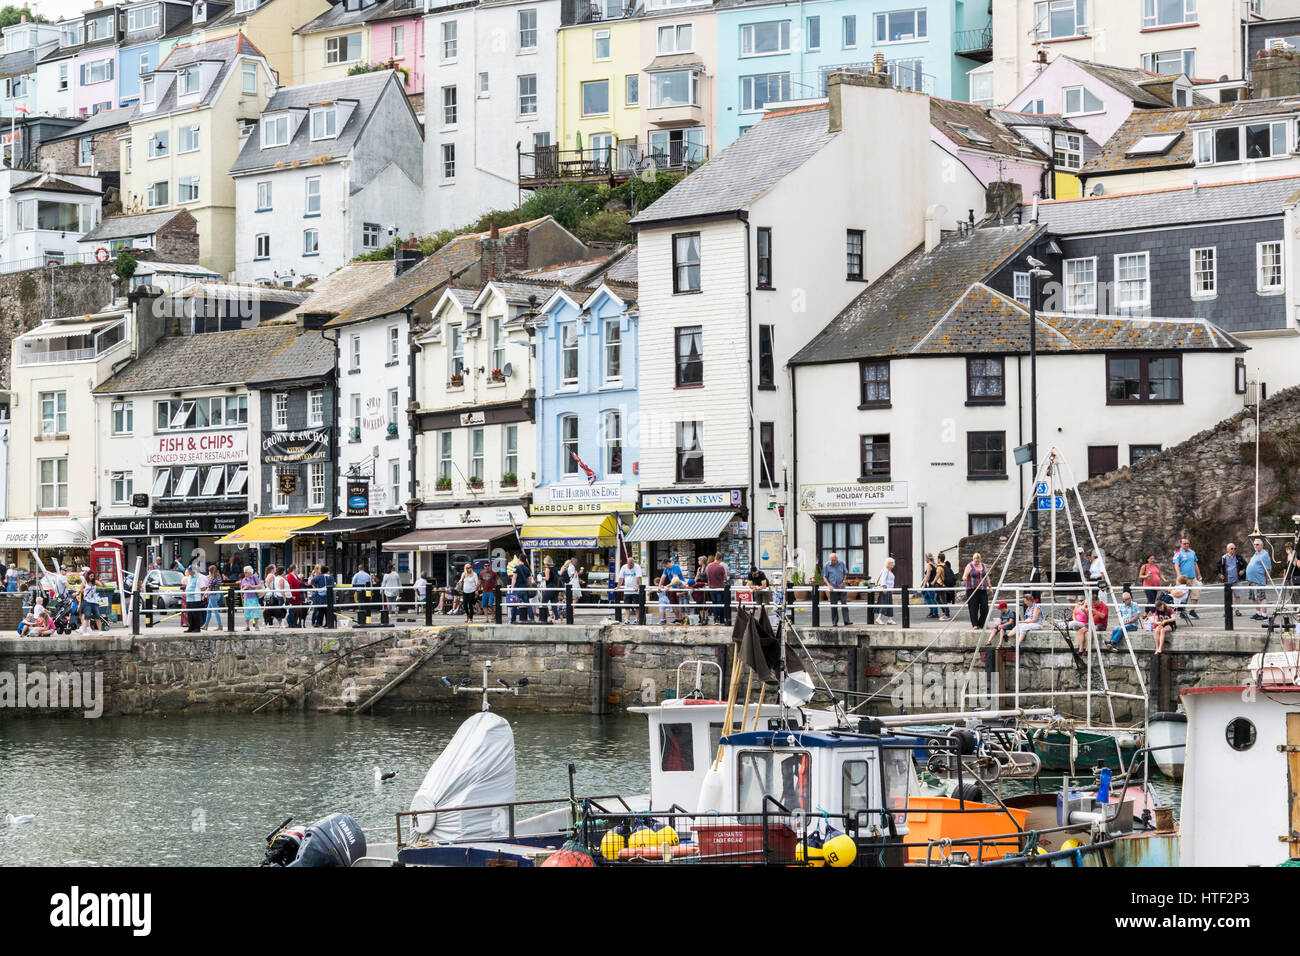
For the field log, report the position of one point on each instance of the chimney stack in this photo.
(407, 255)
(494, 232)
(1275, 73)
(878, 63)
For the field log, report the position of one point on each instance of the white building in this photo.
(489, 87)
(910, 403)
(735, 276)
(42, 215)
(330, 171)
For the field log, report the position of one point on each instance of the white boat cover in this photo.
(478, 767)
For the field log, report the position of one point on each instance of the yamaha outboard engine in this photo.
(335, 840)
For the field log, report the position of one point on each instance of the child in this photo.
(1006, 623)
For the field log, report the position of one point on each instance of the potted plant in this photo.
(476, 482)
(392, 429)
(498, 375)
(509, 480)
(444, 484)
(354, 434)
(458, 380)
(851, 583)
(797, 581)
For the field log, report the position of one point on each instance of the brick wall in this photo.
(178, 241)
(63, 155)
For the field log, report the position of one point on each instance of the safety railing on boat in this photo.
(510, 811)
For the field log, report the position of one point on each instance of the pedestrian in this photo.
(928, 589)
(662, 590)
(945, 580)
(1100, 620)
(488, 581)
(361, 582)
(1259, 575)
(194, 600)
(421, 588)
(1005, 624)
(272, 595)
(717, 573)
(885, 593)
(294, 587)
(391, 586)
(1149, 575)
(251, 591)
(469, 591)
(1097, 569)
(520, 585)
(629, 582)
(317, 584)
(37, 622)
(757, 580)
(833, 574)
(212, 594)
(1232, 572)
(88, 598)
(1164, 625)
(1186, 564)
(331, 618)
(1129, 620)
(11, 579)
(575, 582)
(976, 578)
(1031, 618)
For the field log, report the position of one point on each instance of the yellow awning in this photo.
(271, 530)
(570, 531)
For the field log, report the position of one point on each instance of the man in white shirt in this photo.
(629, 576)
(1097, 570)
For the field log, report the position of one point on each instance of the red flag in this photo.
(591, 475)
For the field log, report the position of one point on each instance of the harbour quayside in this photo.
(766, 764)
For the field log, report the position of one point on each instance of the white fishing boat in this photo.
(1166, 739)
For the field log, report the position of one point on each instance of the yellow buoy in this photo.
(840, 851)
(667, 836)
(815, 855)
(644, 837)
(610, 844)
(1072, 844)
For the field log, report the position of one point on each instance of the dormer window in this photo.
(245, 6)
(72, 34)
(99, 29)
(275, 130)
(324, 122)
(189, 80)
(147, 91)
(141, 18)
(1076, 100)
(1235, 144)
(200, 12)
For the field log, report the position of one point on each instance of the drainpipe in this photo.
(792, 511)
(337, 441)
(411, 351)
(749, 382)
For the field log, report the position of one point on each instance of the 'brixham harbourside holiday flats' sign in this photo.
(854, 496)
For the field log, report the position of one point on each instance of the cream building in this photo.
(187, 133)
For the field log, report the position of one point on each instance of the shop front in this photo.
(179, 539)
(267, 540)
(66, 540)
(585, 523)
(446, 539)
(684, 526)
(350, 542)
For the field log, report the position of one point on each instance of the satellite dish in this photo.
(507, 370)
(1098, 189)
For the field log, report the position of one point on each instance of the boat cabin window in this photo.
(784, 776)
(676, 747)
(715, 735)
(898, 778)
(857, 786)
(1240, 734)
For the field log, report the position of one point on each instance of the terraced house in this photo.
(328, 172)
(24, 45)
(186, 135)
(269, 24)
(354, 34)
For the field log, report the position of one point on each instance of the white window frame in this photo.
(262, 246)
(610, 346)
(609, 437)
(568, 464)
(123, 417)
(1186, 61)
(1083, 93)
(749, 33)
(1151, 14)
(1021, 286)
(849, 24)
(279, 502)
(1068, 151)
(247, 72)
(193, 131)
(328, 117)
(917, 35)
(316, 485)
(394, 344)
(1080, 296)
(280, 411)
(58, 421)
(316, 407)
(333, 54)
(582, 97)
(279, 123)
(679, 37)
(57, 485)
(569, 346)
(311, 242)
(190, 81)
(450, 41)
(264, 194)
(312, 196)
(448, 153)
(449, 107)
(596, 37)
(527, 23)
(151, 195)
(527, 101)
(1121, 301)
(190, 183)
(1042, 28)
(1201, 277)
(1262, 286)
(122, 485)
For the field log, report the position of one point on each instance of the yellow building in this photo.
(185, 136)
(269, 24)
(598, 84)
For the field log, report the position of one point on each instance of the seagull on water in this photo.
(381, 777)
(14, 821)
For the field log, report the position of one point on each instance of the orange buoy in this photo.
(571, 854)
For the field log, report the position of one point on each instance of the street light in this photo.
(1036, 272)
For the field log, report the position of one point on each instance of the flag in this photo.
(20, 108)
(591, 475)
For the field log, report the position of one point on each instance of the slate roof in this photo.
(21, 61)
(937, 303)
(1145, 89)
(307, 355)
(365, 88)
(103, 120)
(989, 132)
(1216, 202)
(224, 50)
(123, 227)
(194, 361)
(1113, 156)
(346, 287)
(745, 170)
(338, 16)
(50, 183)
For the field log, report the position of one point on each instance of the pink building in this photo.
(398, 35)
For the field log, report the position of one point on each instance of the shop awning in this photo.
(467, 538)
(570, 531)
(678, 525)
(358, 525)
(271, 530)
(54, 533)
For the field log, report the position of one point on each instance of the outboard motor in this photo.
(335, 840)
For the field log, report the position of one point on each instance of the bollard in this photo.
(726, 602)
(905, 599)
(1227, 607)
(135, 613)
(361, 600)
(640, 604)
(568, 602)
(497, 600)
(816, 607)
(384, 620)
(230, 609)
(329, 606)
(428, 604)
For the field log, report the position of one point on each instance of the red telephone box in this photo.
(107, 560)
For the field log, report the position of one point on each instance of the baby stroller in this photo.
(64, 613)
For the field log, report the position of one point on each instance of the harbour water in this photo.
(207, 790)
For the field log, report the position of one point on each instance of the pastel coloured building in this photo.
(353, 33)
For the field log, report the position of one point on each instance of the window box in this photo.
(444, 485)
(497, 376)
(476, 483)
(509, 480)
(456, 381)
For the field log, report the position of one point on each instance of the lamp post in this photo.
(1036, 272)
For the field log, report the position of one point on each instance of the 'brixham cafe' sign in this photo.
(853, 497)
(282, 448)
(171, 526)
(200, 449)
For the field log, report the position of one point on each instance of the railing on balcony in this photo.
(101, 341)
(598, 10)
(974, 44)
(903, 74)
(550, 165)
(50, 358)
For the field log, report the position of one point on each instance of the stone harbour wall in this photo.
(570, 669)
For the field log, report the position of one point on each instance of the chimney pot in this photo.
(494, 232)
(878, 63)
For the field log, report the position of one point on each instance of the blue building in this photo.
(585, 350)
(150, 32)
(777, 52)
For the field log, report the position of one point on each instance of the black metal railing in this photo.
(550, 165)
(975, 44)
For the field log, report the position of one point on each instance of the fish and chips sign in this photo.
(853, 497)
(283, 448)
(208, 447)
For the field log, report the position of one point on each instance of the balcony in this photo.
(77, 343)
(552, 166)
(975, 44)
(597, 11)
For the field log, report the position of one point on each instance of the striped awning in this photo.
(678, 525)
